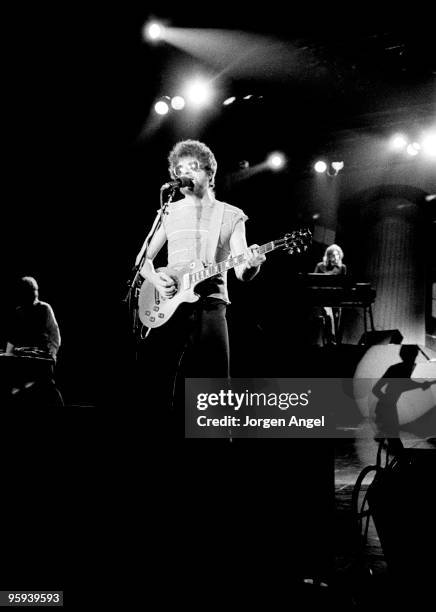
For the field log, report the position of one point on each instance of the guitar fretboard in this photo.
(227, 264)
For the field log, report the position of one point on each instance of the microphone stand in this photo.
(134, 284)
(425, 354)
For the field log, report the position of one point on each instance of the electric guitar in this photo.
(155, 310)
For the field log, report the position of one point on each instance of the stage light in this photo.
(153, 31)
(198, 92)
(337, 165)
(320, 166)
(161, 107)
(429, 145)
(229, 101)
(398, 142)
(248, 97)
(178, 102)
(413, 149)
(276, 160)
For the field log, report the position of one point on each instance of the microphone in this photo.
(183, 181)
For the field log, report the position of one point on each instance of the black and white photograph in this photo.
(218, 312)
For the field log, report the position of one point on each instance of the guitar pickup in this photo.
(185, 282)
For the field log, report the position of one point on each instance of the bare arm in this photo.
(238, 245)
(163, 283)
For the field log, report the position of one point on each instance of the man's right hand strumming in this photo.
(166, 285)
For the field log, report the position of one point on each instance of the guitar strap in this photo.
(216, 220)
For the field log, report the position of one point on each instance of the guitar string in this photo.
(299, 239)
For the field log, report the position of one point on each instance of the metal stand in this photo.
(134, 284)
(367, 312)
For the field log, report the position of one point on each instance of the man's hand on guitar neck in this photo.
(253, 260)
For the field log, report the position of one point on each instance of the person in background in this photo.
(33, 335)
(332, 261)
(331, 264)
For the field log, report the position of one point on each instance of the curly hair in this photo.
(197, 149)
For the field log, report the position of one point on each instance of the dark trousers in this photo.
(193, 344)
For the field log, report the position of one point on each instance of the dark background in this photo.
(80, 191)
(82, 180)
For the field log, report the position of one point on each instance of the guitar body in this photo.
(155, 310)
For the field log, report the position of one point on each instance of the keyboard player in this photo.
(331, 264)
(33, 341)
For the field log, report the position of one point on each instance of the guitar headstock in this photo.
(297, 241)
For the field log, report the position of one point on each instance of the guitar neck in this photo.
(232, 262)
